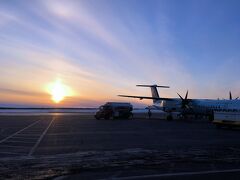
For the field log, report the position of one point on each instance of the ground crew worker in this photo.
(149, 113)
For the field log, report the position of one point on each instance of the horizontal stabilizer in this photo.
(140, 85)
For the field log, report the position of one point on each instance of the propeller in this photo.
(185, 101)
(230, 96)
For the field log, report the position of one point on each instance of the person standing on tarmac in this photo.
(149, 113)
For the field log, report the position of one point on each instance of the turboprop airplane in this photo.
(203, 107)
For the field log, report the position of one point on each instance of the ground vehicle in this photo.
(230, 118)
(114, 110)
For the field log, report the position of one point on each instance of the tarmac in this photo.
(80, 147)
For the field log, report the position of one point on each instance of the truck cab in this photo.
(114, 110)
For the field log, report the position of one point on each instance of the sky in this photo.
(101, 48)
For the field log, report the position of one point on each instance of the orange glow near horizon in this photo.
(59, 91)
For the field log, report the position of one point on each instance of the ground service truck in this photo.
(114, 110)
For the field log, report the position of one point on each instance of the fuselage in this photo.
(201, 106)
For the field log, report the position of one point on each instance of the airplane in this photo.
(197, 107)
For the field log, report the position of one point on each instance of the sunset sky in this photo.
(98, 49)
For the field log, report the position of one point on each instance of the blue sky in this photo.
(101, 48)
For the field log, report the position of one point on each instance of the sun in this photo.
(58, 91)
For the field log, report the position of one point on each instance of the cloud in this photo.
(6, 18)
(75, 16)
(21, 92)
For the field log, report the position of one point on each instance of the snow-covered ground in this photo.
(45, 167)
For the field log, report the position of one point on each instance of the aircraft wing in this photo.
(145, 97)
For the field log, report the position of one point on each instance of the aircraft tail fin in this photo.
(154, 92)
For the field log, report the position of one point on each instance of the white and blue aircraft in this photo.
(204, 107)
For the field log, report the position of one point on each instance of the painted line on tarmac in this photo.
(40, 138)
(177, 174)
(19, 131)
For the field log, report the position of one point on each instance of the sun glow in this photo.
(59, 91)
